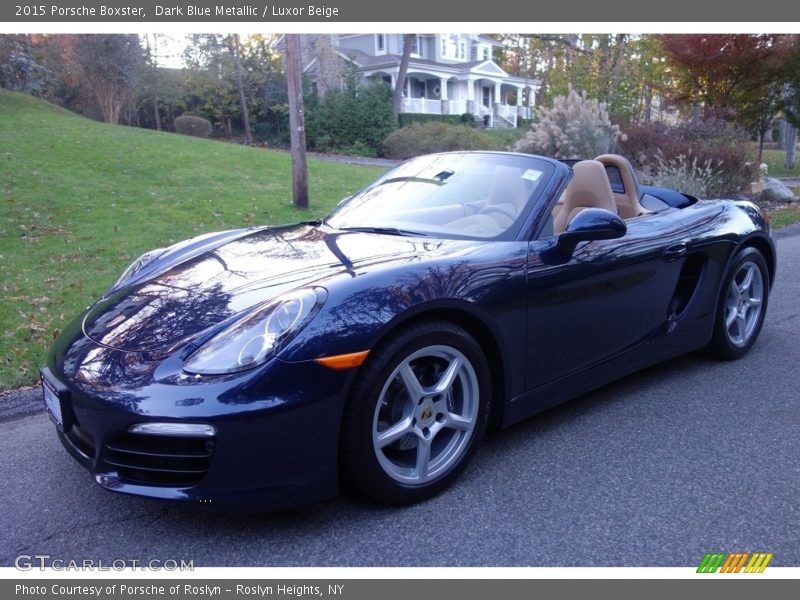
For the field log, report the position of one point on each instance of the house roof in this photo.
(485, 39)
(368, 62)
(488, 68)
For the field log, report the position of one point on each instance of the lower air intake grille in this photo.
(160, 460)
(82, 440)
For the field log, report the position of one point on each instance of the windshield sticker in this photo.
(531, 175)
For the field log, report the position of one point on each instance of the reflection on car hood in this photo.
(206, 289)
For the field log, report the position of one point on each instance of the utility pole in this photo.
(294, 81)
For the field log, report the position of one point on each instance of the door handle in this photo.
(676, 251)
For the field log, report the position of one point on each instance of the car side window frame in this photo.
(538, 220)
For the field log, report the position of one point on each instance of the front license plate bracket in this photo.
(56, 401)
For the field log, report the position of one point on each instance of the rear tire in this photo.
(416, 414)
(742, 305)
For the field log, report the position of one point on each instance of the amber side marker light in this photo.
(341, 362)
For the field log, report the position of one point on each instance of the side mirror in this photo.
(591, 224)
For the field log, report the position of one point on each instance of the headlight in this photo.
(137, 266)
(249, 342)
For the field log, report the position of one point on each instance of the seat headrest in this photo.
(589, 187)
(629, 178)
(508, 187)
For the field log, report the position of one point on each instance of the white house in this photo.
(448, 73)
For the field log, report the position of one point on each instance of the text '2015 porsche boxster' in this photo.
(263, 367)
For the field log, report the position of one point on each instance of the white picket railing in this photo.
(432, 106)
(422, 105)
(509, 113)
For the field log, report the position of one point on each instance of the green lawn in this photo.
(79, 200)
(786, 215)
(776, 159)
(505, 138)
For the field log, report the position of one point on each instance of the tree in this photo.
(151, 75)
(400, 86)
(790, 103)
(220, 80)
(625, 71)
(738, 76)
(19, 70)
(294, 81)
(111, 65)
(235, 50)
(760, 108)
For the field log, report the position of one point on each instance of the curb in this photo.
(18, 404)
(355, 160)
(789, 230)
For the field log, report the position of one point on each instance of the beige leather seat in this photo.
(589, 188)
(507, 195)
(628, 205)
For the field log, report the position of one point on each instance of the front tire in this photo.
(742, 305)
(416, 414)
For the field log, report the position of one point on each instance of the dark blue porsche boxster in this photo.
(262, 367)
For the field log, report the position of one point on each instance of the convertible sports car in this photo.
(261, 367)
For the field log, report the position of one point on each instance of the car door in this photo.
(608, 297)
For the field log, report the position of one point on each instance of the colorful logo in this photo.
(735, 562)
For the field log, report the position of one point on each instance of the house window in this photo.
(417, 50)
(443, 51)
(487, 53)
(462, 50)
(380, 43)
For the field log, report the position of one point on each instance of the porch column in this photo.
(470, 89)
(497, 98)
(443, 86)
(531, 96)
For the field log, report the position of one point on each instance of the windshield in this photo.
(469, 195)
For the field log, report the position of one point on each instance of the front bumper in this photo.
(275, 442)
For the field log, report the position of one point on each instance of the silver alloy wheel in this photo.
(426, 415)
(744, 303)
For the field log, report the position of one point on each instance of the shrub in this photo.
(575, 127)
(424, 138)
(359, 148)
(723, 146)
(192, 125)
(344, 117)
(686, 174)
(271, 133)
(262, 130)
(409, 118)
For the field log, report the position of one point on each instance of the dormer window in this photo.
(487, 53)
(380, 43)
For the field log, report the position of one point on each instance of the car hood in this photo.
(197, 291)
